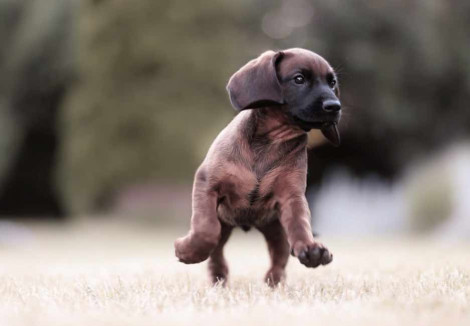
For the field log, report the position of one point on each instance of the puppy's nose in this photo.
(331, 105)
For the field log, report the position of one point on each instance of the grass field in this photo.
(122, 275)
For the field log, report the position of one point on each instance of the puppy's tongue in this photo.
(330, 131)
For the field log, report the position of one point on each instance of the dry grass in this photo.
(110, 275)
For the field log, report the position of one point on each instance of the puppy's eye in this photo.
(299, 79)
(331, 80)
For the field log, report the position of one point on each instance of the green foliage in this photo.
(34, 61)
(403, 66)
(150, 90)
(150, 93)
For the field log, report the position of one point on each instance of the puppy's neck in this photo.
(272, 124)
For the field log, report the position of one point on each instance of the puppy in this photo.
(254, 174)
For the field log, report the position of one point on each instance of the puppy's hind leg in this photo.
(218, 269)
(278, 251)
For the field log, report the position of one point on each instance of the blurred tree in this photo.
(150, 93)
(405, 79)
(150, 97)
(35, 70)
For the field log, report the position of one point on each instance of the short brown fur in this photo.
(254, 175)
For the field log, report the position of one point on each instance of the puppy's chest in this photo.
(250, 187)
(246, 199)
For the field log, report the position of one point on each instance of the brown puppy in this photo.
(255, 171)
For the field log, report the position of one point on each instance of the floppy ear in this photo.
(256, 83)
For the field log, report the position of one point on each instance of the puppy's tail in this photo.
(315, 139)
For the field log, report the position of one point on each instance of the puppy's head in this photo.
(297, 80)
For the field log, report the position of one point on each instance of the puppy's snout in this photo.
(331, 105)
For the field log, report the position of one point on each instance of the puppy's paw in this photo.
(219, 279)
(275, 276)
(218, 271)
(312, 254)
(190, 250)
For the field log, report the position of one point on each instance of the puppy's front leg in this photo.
(295, 218)
(204, 233)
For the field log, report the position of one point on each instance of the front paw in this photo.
(313, 254)
(191, 250)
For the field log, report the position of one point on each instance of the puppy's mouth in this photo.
(331, 132)
(328, 127)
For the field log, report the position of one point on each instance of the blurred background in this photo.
(107, 107)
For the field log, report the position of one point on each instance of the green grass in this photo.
(101, 274)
